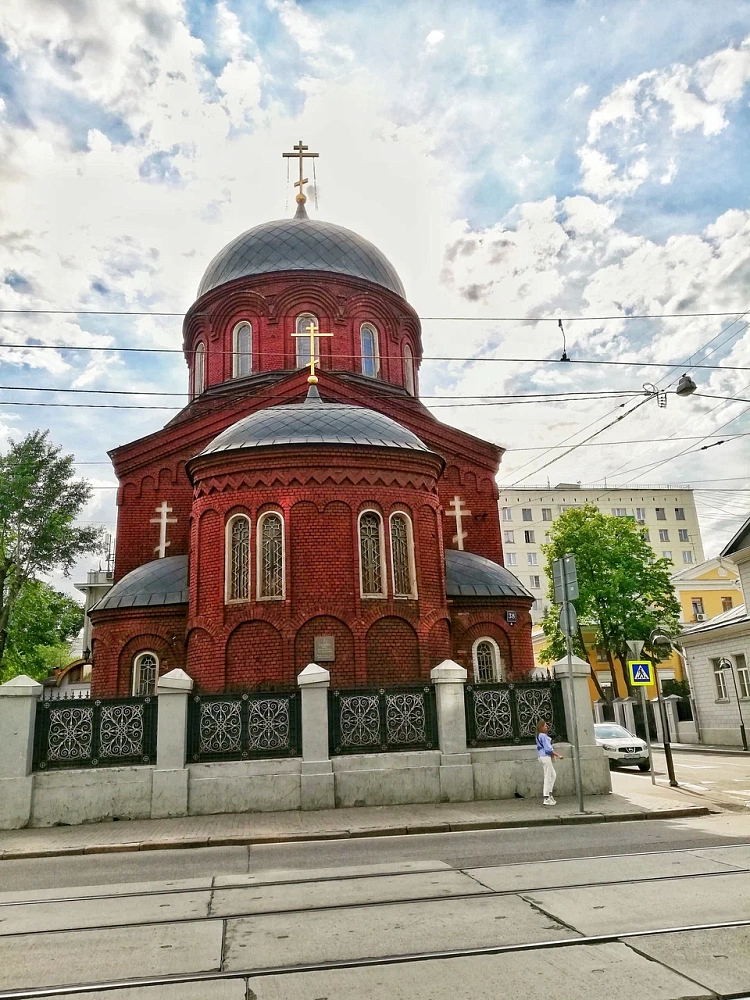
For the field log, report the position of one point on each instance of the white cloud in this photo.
(434, 38)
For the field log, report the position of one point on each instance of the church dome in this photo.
(155, 583)
(315, 422)
(300, 244)
(470, 575)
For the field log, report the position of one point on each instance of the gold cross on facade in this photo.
(300, 151)
(313, 333)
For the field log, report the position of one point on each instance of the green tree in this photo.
(40, 628)
(624, 589)
(39, 502)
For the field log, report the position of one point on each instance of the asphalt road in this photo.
(720, 778)
(442, 916)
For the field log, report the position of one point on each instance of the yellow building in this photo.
(704, 591)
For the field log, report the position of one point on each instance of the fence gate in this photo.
(243, 726)
(382, 720)
(95, 733)
(501, 714)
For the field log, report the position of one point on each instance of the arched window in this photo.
(409, 383)
(145, 674)
(270, 557)
(488, 663)
(242, 350)
(302, 325)
(199, 369)
(402, 556)
(238, 559)
(372, 577)
(368, 337)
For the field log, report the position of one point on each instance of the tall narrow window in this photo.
(743, 675)
(199, 369)
(720, 680)
(238, 559)
(409, 383)
(402, 556)
(371, 554)
(270, 557)
(368, 337)
(488, 664)
(145, 674)
(302, 325)
(242, 350)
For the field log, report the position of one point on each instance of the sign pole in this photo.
(644, 709)
(571, 686)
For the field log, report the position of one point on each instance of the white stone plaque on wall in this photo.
(324, 648)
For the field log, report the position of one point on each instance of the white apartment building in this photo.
(667, 514)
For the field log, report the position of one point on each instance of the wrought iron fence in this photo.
(95, 733)
(379, 720)
(243, 726)
(498, 714)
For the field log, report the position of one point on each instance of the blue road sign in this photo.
(641, 672)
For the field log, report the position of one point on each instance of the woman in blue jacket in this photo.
(547, 754)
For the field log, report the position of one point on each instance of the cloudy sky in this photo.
(513, 158)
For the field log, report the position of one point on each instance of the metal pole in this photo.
(665, 727)
(739, 706)
(644, 709)
(571, 685)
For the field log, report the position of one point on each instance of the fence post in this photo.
(18, 700)
(456, 771)
(595, 776)
(658, 720)
(169, 789)
(670, 706)
(317, 790)
(628, 711)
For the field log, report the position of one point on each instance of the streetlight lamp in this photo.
(656, 639)
(726, 664)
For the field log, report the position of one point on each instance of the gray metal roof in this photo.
(315, 422)
(469, 575)
(300, 244)
(162, 581)
(735, 616)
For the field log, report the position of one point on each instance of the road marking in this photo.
(699, 767)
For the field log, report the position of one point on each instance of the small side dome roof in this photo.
(469, 575)
(315, 423)
(162, 581)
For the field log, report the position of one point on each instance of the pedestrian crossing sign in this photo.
(641, 672)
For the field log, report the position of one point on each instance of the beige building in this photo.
(667, 514)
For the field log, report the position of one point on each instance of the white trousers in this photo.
(549, 775)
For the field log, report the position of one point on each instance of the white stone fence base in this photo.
(454, 773)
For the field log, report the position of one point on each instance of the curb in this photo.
(239, 840)
(698, 748)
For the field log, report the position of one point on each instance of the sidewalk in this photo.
(733, 751)
(338, 824)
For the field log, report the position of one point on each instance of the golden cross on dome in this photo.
(313, 332)
(300, 152)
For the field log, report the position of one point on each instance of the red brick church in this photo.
(274, 521)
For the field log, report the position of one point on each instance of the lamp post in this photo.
(726, 664)
(658, 638)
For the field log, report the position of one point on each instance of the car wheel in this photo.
(645, 766)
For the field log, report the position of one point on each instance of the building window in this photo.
(303, 324)
(683, 534)
(687, 557)
(531, 558)
(726, 604)
(242, 350)
(743, 677)
(488, 663)
(663, 534)
(368, 339)
(509, 537)
(527, 514)
(371, 554)
(546, 513)
(661, 514)
(238, 559)
(720, 680)
(679, 513)
(646, 535)
(528, 537)
(409, 381)
(640, 513)
(507, 514)
(145, 674)
(697, 606)
(270, 556)
(402, 556)
(619, 512)
(535, 582)
(199, 369)
(511, 559)
(667, 554)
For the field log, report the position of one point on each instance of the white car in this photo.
(622, 748)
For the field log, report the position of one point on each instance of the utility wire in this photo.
(454, 319)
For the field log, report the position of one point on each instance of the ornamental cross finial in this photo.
(457, 510)
(314, 334)
(162, 520)
(300, 152)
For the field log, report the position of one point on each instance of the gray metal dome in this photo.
(315, 422)
(155, 583)
(300, 244)
(470, 575)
